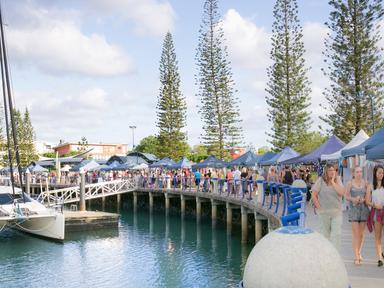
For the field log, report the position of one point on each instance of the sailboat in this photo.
(17, 209)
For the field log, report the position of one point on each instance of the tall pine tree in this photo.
(219, 107)
(26, 135)
(288, 85)
(171, 106)
(26, 139)
(354, 67)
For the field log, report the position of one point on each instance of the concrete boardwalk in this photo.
(368, 275)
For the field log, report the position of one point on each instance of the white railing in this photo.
(92, 191)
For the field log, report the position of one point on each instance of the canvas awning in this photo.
(285, 154)
(184, 163)
(374, 140)
(211, 162)
(357, 140)
(248, 159)
(332, 145)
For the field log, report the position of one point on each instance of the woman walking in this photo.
(358, 211)
(327, 193)
(375, 199)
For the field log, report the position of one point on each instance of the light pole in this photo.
(133, 136)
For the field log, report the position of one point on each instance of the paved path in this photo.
(368, 275)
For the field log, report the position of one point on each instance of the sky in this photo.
(91, 68)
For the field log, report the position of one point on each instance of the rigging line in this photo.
(15, 143)
(10, 160)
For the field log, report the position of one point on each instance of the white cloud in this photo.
(54, 42)
(248, 44)
(67, 113)
(149, 16)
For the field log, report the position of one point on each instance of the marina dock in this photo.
(89, 220)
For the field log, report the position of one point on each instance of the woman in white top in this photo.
(375, 199)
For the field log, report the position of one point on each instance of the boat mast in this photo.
(7, 121)
(4, 66)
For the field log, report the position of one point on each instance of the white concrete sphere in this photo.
(294, 257)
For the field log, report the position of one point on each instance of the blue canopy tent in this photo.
(285, 154)
(248, 159)
(123, 167)
(182, 164)
(163, 163)
(265, 157)
(371, 142)
(211, 162)
(376, 152)
(38, 169)
(332, 145)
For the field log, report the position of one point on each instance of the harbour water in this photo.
(147, 250)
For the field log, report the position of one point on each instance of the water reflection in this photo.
(147, 250)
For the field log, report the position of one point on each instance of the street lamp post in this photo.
(133, 136)
(133, 127)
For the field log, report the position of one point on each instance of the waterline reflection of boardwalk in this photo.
(368, 275)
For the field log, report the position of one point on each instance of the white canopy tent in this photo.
(357, 140)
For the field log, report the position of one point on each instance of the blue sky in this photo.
(90, 68)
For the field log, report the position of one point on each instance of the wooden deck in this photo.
(368, 275)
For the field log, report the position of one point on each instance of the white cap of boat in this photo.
(294, 257)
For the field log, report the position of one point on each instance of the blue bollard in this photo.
(292, 218)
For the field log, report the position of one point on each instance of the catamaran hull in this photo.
(52, 227)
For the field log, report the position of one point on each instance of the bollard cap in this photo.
(289, 258)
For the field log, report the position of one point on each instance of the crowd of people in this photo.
(366, 201)
(366, 207)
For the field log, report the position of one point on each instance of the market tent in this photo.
(332, 145)
(374, 140)
(267, 156)
(211, 162)
(285, 154)
(140, 166)
(182, 164)
(86, 165)
(376, 152)
(66, 168)
(248, 159)
(37, 169)
(124, 166)
(357, 140)
(163, 163)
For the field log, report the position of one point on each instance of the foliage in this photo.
(25, 137)
(218, 106)
(198, 153)
(148, 144)
(288, 85)
(310, 141)
(262, 150)
(171, 106)
(354, 67)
